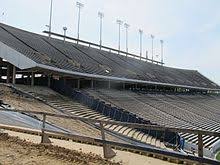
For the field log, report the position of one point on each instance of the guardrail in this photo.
(104, 47)
(108, 153)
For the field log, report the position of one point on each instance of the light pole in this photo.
(79, 5)
(152, 39)
(64, 33)
(161, 47)
(141, 34)
(50, 20)
(119, 22)
(100, 15)
(126, 33)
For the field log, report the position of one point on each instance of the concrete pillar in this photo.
(8, 74)
(92, 83)
(109, 84)
(78, 83)
(28, 79)
(14, 75)
(32, 78)
(49, 80)
(136, 85)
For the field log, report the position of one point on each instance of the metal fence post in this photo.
(107, 151)
(44, 137)
(200, 145)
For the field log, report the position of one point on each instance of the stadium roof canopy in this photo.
(27, 50)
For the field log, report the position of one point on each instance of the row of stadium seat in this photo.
(181, 111)
(84, 59)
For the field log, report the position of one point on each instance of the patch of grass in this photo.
(218, 156)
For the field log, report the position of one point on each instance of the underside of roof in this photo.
(27, 50)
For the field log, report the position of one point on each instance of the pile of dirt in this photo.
(16, 151)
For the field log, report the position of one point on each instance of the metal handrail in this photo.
(131, 125)
(104, 47)
(163, 154)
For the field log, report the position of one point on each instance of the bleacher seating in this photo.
(180, 111)
(84, 59)
(79, 107)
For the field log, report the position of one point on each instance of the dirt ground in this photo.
(123, 157)
(29, 104)
(18, 152)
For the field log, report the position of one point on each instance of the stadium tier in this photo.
(180, 111)
(27, 50)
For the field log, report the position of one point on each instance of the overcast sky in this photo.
(189, 28)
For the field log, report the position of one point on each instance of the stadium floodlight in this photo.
(126, 33)
(50, 20)
(64, 33)
(152, 51)
(119, 22)
(141, 34)
(100, 15)
(161, 47)
(79, 5)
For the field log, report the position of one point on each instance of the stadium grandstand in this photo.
(85, 80)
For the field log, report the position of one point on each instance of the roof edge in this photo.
(120, 79)
(16, 58)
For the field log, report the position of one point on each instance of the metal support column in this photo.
(109, 84)
(14, 75)
(49, 81)
(32, 78)
(78, 83)
(123, 86)
(92, 83)
(8, 74)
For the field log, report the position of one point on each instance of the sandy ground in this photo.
(20, 152)
(123, 157)
(28, 104)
